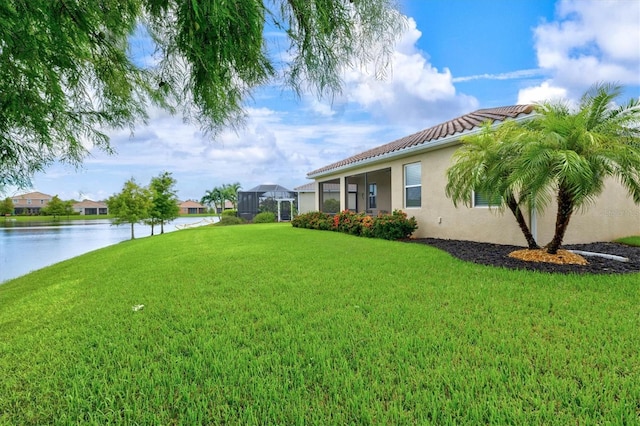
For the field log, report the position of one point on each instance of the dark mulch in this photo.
(497, 255)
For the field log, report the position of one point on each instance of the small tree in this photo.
(132, 205)
(571, 152)
(56, 207)
(165, 203)
(6, 206)
(559, 151)
(484, 164)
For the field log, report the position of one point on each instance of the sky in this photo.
(455, 56)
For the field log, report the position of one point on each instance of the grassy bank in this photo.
(268, 324)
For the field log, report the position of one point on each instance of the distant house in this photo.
(31, 203)
(89, 207)
(191, 207)
(409, 174)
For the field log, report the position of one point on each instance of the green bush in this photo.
(393, 226)
(230, 220)
(386, 226)
(230, 212)
(349, 222)
(313, 220)
(264, 217)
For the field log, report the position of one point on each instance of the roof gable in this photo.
(460, 124)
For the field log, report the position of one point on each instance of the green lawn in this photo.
(269, 324)
(630, 241)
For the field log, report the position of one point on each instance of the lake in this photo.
(27, 246)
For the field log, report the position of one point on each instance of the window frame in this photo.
(372, 195)
(408, 186)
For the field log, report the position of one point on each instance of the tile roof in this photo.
(460, 124)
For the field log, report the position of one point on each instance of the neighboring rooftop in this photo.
(457, 125)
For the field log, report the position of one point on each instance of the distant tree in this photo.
(231, 193)
(6, 206)
(215, 198)
(165, 202)
(67, 71)
(56, 207)
(132, 205)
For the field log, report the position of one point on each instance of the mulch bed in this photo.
(498, 255)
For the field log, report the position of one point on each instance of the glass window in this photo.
(373, 195)
(413, 185)
(484, 200)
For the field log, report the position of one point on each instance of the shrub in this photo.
(386, 226)
(313, 220)
(230, 212)
(393, 226)
(349, 222)
(264, 217)
(230, 220)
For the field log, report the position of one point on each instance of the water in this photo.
(27, 246)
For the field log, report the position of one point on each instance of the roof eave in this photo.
(423, 147)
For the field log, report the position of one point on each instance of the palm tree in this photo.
(231, 193)
(484, 165)
(571, 153)
(214, 197)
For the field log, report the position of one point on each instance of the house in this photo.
(31, 203)
(191, 207)
(409, 174)
(89, 207)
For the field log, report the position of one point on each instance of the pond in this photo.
(27, 246)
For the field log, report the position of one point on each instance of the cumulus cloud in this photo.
(414, 93)
(591, 41)
(543, 92)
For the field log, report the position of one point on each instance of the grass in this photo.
(269, 324)
(630, 241)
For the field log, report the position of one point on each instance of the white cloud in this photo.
(544, 92)
(591, 41)
(414, 93)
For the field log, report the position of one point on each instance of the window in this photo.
(483, 200)
(373, 194)
(413, 185)
(29, 201)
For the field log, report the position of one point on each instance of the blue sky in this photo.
(455, 56)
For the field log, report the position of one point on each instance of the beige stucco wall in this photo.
(306, 202)
(613, 216)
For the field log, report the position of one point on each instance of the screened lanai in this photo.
(267, 198)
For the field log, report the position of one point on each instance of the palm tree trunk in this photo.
(515, 209)
(565, 210)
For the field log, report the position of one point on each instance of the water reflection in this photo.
(27, 246)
